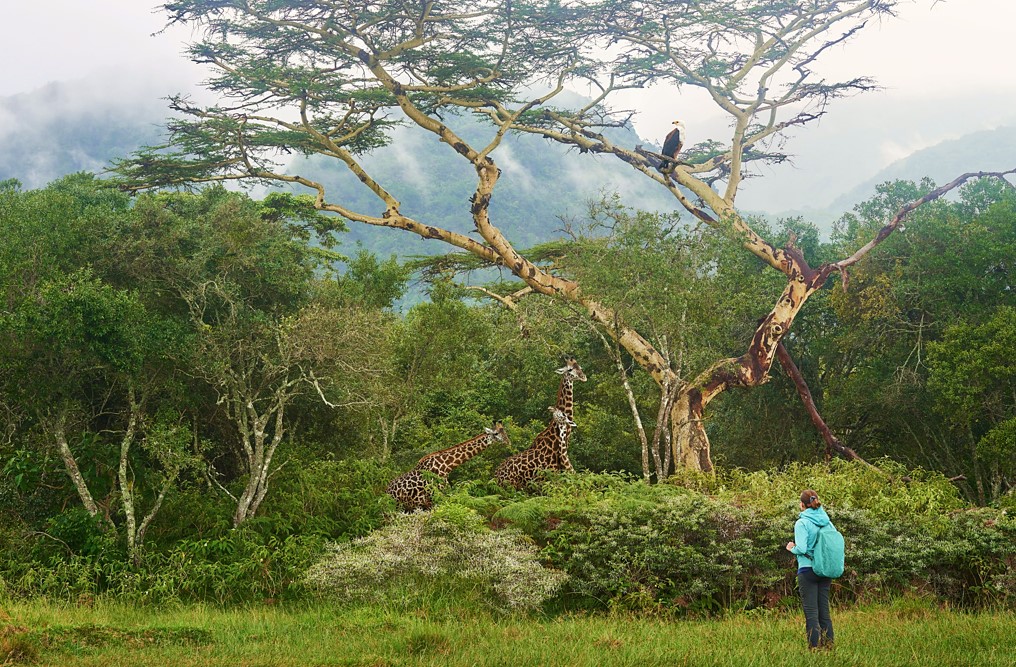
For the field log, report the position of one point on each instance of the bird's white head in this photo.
(679, 124)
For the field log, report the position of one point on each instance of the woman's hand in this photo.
(790, 545)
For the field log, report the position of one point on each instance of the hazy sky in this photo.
(955, 54)
(959, 44)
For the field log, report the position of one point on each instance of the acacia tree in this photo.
(333, 77)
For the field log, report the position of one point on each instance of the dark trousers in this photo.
(815, 599)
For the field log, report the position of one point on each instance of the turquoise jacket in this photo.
(806, 532)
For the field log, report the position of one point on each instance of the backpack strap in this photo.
(810, 553)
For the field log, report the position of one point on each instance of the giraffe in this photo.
(570, 372)
(410, 488)
(520, 469)
(544, 454)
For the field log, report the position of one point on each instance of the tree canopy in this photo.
(333, 78)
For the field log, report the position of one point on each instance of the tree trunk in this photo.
(689, 440)
(663, 427)
(127, 485)
(259, 449)
(58, 428)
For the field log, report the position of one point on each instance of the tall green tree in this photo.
(264, 331)
(908, 368)
(86, 363)
(331, 78)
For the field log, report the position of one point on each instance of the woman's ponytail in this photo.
(810, 499)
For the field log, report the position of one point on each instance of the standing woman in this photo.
(814, 589)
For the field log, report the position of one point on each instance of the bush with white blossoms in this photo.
(446, 550)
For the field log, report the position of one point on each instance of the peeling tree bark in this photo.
(752, 368)
(59, 431)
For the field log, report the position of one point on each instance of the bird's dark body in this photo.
(671, 147)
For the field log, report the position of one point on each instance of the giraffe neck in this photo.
(446, 460)
(563, 431)
(565, 395)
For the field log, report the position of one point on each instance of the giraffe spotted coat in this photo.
(410, 488)
(545, 453)
(549, 450)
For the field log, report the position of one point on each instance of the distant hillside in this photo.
(63, 128)
(978, 151)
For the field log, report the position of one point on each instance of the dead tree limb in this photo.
(832, 442)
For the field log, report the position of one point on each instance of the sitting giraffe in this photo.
(520, 469)
(410, 489)
(544, 454)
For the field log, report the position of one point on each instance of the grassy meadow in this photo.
(902, 633)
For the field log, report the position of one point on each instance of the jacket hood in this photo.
(817, 516)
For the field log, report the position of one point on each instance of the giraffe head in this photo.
(497, 434)
(572, 370)
(561, 418)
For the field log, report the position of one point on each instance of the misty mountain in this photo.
(64, 128)
(73, 126)
(986, 150)
(69, 127)
(846, 150)
(542, 183)
(979, 151)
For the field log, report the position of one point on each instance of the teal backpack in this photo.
(828, 552)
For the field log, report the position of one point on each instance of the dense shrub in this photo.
(193, 553)
(699, 544)
(707, 543)
(327, 498)
(241, 566)
(650, 548)
(335, 499)
(426, 555)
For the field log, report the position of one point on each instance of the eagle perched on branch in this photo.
(672, 146)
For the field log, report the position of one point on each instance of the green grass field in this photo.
(111, 634)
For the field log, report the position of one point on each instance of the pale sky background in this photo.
(947, 68)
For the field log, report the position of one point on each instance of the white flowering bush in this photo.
(446, 551)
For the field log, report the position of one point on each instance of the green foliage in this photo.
(369, 282)
(703, 544)
(973, 377)
(77, 533)
(659, 548)
(911, 359)
(337, 500)
(240, 566)
(607, 441)
(893, 492)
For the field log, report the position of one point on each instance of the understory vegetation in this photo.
(203, 401)
(701, 545)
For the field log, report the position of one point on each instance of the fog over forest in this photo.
(81, 97)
